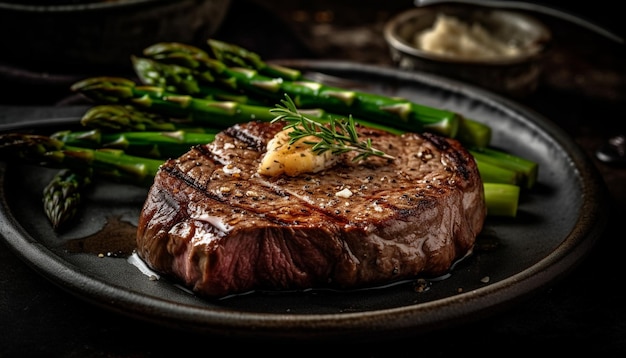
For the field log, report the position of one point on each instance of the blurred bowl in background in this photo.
(77, 34)
(499, 50)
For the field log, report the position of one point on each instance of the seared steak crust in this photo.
(214, 223)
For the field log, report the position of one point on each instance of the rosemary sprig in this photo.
(339, 136)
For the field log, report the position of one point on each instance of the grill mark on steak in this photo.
(459, 160)
(254, 138)
(212, 222)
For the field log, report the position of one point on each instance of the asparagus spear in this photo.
(501, 199)
(492, 173)
(48, 152)
(62, 196)
(112, 118)
(402, 113)
(125, 118)
(179, 79)
(161, 145)
(237, 56)
(217, 114)
(526, 170)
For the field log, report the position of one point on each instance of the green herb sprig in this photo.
(339, 136)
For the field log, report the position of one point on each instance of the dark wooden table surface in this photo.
(583, 90)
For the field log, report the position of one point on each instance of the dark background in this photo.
(583, 90)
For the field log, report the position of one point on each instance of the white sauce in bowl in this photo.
(451, 37)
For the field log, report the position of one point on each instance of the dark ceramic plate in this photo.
(558, 222)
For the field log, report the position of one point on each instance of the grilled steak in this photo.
(214, 223)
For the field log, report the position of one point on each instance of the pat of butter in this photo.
(293, 159)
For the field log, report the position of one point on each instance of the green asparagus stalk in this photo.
(48, 152)
(401, 113)
(112, 118)
(201, 112)
(62, 196)
(159, 145)
(526, 170)
(178, 79)
(501, 199)
(492, 173)
(117, 118)
(237, 56)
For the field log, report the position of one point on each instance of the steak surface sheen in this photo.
(211, 221)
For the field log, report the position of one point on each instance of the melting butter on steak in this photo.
(283, 157)
(213, 222)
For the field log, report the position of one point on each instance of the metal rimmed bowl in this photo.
(515, 75)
